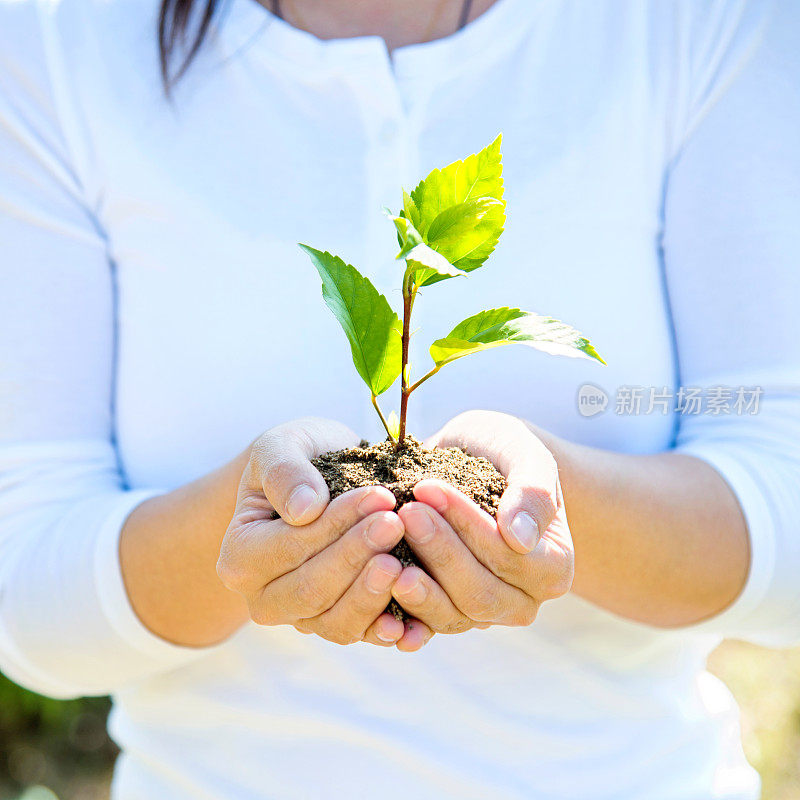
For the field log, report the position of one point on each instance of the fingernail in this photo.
(374, 501)
(435, 498)
(421, 529)
(386, 637)
(300, 501)
(378, 579)
(525, 530)
(416, 593)
(381, 533)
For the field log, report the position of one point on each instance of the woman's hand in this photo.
(483, 572)
(323, 568)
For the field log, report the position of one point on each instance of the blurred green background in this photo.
(52, 750)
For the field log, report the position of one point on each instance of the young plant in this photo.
(448, 226)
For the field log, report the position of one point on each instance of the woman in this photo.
(158, 317)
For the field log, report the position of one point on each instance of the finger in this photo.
(347, 622)
(421, 597)
(529, 503)
(475, 590)
(543, 574)
(476, 529)
(255, 554)
(458, 509)
(317, 584)
(281, 466)
(557, 550)
(385, 631)
(415, 636)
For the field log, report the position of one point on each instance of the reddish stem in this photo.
(408, 302)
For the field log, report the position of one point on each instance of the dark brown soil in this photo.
(399, 471)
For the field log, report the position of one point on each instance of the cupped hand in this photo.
(322, 567)
(483, 572)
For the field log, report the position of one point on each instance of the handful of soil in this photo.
(399, 470)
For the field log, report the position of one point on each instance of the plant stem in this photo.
(425, 377)
(383, 419)
(408, 303)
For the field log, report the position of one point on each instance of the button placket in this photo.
(393, 116)
(382, 121)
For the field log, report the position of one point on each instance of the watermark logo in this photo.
(685, 400)
(592, 400)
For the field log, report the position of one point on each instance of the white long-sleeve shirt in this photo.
(156, 315)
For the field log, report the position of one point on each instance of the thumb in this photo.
(532, 498)
(280, 466)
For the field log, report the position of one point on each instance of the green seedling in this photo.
(448, 226)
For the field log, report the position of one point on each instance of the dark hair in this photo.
(182, 26)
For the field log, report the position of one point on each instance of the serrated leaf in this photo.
(501, 326)
(479, 175)
(410, 210)
(423, 263)
(372, 327)
(467, 233)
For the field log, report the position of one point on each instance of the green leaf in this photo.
(373, 329)
(479, 175)
(423, 263)
(425, 266)
(467, 233)
(502, 326)
(410, 210)
(408, 237)
(393, 423)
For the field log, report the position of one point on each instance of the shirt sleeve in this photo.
(66, 626)
(732, 269)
